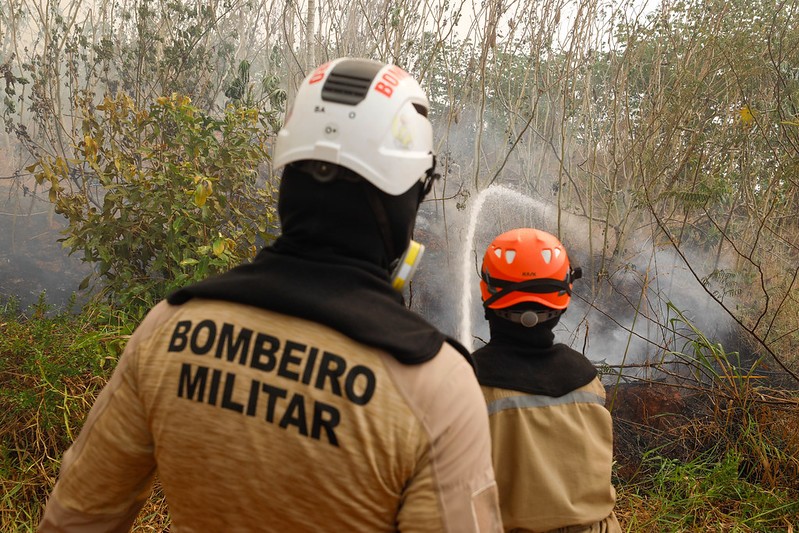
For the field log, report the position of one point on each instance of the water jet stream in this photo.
(468, 284)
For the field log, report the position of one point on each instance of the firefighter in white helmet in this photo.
(552, 437)
(297, 392)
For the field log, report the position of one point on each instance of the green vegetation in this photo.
(707, 493)
(731, 460)
(734, 470)
(51, 370)
(162, 196)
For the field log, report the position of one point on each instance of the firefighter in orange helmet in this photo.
(551, 433)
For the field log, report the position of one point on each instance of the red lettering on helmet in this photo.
(384, 89)
(398, 72)
(390, 79)
(319, 73)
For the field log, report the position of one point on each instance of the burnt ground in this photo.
(652, 415)
(687, 422)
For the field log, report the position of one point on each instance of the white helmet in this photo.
(364, 115)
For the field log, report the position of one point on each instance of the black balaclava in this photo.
(331, 265)
(527, 359)
(504, 331)
(340, 219)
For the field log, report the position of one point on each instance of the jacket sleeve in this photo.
(453, 488)
(106, 475)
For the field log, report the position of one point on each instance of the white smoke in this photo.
(622, 317)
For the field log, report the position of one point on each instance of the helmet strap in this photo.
(500, 288)
(535, 286)
(528, 318)
(430, 177)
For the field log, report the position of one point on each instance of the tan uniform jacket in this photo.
(552, 457)
(256, 421)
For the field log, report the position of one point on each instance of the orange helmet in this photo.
(527, 265)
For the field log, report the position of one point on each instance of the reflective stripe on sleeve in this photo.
(528, 400)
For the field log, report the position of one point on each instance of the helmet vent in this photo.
(547, 255)
(510, 255)
(349, 81)
(498, 252)
(344, 89)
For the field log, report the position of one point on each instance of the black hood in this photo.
(346, 217)
(330, 266)
(539, 336)
(528, 360)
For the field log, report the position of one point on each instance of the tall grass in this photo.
(750, 417)
(52, 366)
(733, 465)
(706, 494)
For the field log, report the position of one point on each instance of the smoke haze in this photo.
(621, 317)
(32, 262)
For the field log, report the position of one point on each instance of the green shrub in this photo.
(161, 197)
(50, 371)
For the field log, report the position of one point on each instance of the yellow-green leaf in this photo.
(747, 115)
(219, 246)
(61, 166)
(90, 148)
(200, 195)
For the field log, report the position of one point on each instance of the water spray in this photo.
(465, 329)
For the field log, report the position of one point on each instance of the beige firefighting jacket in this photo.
(552, 458)
(256, 421)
